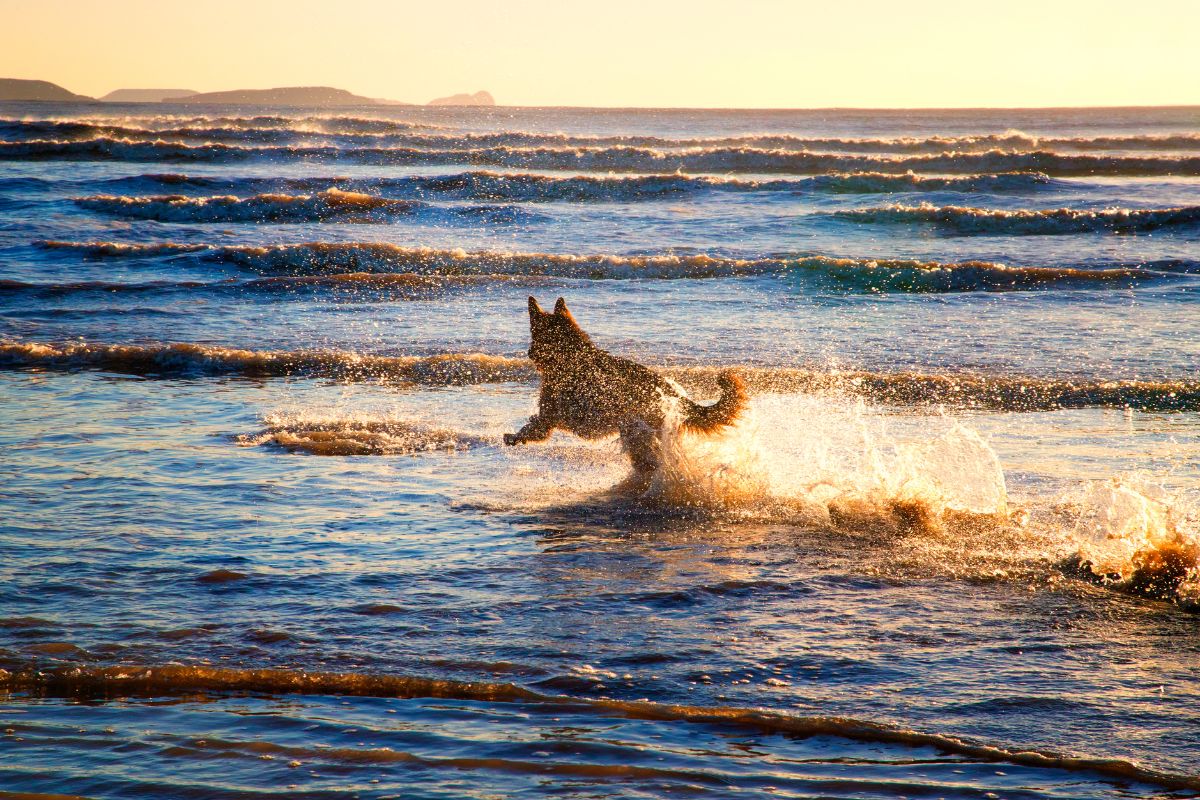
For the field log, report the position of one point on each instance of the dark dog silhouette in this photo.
(594, 394)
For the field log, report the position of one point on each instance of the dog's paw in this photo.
(511, 439)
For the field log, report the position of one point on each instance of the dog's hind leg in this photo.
(640, 442)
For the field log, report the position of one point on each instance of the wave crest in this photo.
(395, 285)
(534, 187)
(195, 359)
(330, 204)
(364, 130)
(822, 273)
(615, 159)
(1008, 393)
(964, 219)
(152, 123)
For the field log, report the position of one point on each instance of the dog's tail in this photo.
(725, 411)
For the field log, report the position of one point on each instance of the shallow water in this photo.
(227, 449)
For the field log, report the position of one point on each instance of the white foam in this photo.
(825, 456)
(1131, 523)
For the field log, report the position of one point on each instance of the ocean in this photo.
(261, 536)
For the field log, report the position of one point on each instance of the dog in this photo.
(594, 394)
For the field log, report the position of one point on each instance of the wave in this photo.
(111, 149)
(532, 187)
(329, 205)
(165, 122)
(820, 272)
(172, 680)
(391, 285)
(614, 159)
(963, 219)
(1009, 140)
(124, 250)
(882, 182)
(196, 359)
(73, 130)
(910, 389)
(360, 130)
(356, 437)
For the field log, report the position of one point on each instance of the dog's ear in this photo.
(534, 308)
(561, 311)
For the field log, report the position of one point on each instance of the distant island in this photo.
(477, 99)
(312, 96)
(17, 89)
(145, 95)
(322, 96)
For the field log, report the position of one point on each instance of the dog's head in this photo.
(556, 339)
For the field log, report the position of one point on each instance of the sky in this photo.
(647, 53)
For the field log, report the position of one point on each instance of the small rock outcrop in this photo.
(477, 99)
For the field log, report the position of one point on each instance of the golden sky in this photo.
(747, 54)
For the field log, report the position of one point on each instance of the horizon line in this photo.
(558, 106)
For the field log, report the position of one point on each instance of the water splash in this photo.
(1137, 537)
(830, 460)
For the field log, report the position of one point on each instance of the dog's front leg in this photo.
(536, 430)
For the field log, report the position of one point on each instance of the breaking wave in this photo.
(819, 272)
(150, 124)
(329, 205)
(360, 130)
(111, 149)
(615, 159)
(125, 250)
(196, 359)
(532, 187)
(1008, 393)
(173, 680)
(963, 219)
(882, 182)
(393, 285)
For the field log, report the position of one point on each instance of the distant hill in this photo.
(17, 89)
(145, 95)
(283, 96)
(477, 99)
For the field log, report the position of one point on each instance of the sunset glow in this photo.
(625, 53)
